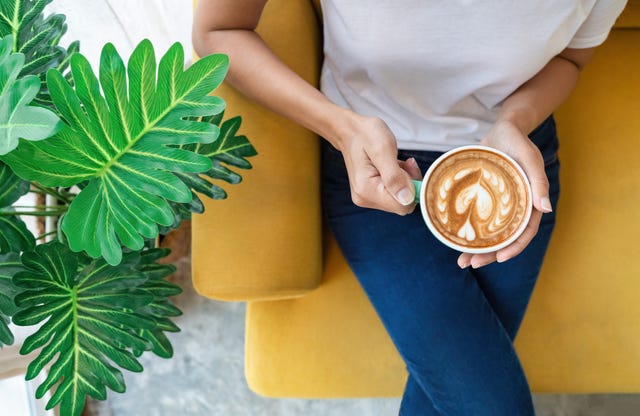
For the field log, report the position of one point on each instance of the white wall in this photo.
(125, 23)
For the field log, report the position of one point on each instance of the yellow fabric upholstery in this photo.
(582, 329)
(329, 343)
(264, 241)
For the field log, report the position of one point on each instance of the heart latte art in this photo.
(477, 199)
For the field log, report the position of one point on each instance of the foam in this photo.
(477, 199)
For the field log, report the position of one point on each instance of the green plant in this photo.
(123, 155)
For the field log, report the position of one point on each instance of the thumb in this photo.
(396, 180)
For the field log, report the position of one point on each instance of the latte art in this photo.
(477, 199)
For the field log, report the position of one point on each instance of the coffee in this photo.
(477, 199)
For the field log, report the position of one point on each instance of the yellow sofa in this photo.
(311, 332)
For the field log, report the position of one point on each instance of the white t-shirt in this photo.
(437, 71)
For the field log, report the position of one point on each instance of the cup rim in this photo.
(472, 250)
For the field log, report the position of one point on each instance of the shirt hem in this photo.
(434, 147)
(589, 42)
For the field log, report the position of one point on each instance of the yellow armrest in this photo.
(264, 241)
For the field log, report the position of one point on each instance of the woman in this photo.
(402, 82)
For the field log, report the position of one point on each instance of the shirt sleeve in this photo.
(595, 29)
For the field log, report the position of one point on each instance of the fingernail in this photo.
(545, 203)
(478, 265)
(501, 258)
(412, 160)
(405, 196)
(463, 264)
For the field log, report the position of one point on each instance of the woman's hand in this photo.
(378, 179)
(507, 137)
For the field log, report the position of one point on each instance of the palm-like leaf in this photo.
(37, 37)
(121, 144)
(18, 119)
(11, 186)
(92, 319)
(9, 265)
(229, 149)
(160, 309)
(14, 234)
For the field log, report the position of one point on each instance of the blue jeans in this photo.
(453, 328)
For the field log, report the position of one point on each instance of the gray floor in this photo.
(205, 377)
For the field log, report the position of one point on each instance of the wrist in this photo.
(524, 118)
(341, 126)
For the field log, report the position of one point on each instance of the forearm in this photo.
(368, 146)
(258, 73)
(536, 99)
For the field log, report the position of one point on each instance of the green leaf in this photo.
(123, 143)
(14, 234)
(230, 149)
(160, 309)
(37, 37)
(18, 119)
(11, 186)
(9, 265)
(94, 316)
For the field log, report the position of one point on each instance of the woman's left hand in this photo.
(505, 136)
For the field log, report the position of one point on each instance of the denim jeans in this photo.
(453, 328)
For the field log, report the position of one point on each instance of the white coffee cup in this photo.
(479, 199)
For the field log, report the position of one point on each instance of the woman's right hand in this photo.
(378, 179)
